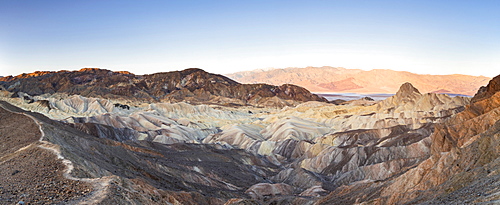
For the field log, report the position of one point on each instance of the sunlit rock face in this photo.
(398, 150)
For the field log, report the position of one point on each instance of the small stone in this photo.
(20, 202)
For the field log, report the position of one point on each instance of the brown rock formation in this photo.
(191, 85)
(487, 91)
(330, 79)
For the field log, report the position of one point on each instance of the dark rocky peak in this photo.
(193, 70)
(202, 75)
(487, 91)
(184, 72)
(290, 91)
(407, 89)
(406, 93)
(192, 78)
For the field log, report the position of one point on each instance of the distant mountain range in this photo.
(342, 80)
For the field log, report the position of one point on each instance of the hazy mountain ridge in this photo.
(331, 79)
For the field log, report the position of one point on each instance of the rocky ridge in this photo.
(191, 85)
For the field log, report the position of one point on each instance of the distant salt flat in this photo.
(375, 96)
(354, 96)
(455, 95)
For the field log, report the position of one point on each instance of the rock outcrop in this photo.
(487, 91)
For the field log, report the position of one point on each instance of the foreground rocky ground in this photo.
(410, 148)
(30, 172)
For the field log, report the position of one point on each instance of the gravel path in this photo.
(29, 170)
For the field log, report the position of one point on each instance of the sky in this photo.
(144, 37)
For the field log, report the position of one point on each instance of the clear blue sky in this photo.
(431, 37)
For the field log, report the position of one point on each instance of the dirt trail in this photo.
(100, 185)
